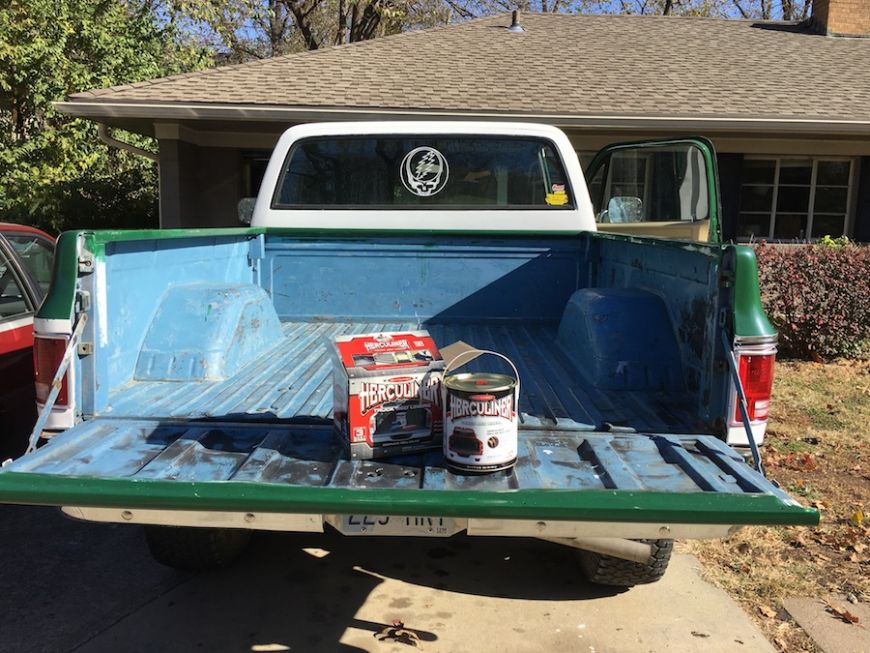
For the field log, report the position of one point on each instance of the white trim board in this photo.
(171, 111)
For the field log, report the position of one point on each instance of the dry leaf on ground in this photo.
(842, 613)
(766, 611)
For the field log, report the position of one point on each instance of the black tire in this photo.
(195, 549)
(607, 570)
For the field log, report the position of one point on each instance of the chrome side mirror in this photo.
(624, 209)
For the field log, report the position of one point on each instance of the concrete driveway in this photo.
(70, 586)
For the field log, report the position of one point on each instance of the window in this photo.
(790, 198)
(651, 183)
(37, 255)
(424, 172)
(12, 300)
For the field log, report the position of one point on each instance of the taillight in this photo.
(47, 355)
(756, 375)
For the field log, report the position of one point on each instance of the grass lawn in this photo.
(818, 448)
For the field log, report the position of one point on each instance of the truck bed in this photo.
(294, 382)
(207, 384)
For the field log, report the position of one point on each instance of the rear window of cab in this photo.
(437, 172)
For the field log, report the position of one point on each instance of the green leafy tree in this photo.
(54, 172)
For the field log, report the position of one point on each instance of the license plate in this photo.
(392, 525)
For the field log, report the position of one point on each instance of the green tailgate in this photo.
(576, 476)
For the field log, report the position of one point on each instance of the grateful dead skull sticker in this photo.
(424, 171)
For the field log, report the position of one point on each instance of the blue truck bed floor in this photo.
(312, 456)
(254, 467)
(294, 382)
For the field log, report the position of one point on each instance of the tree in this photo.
(751, 9)
(242, 30)
(773, 9)
(53, 170)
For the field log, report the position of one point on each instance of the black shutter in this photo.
(730, 171)
(861, 230)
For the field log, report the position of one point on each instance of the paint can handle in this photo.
(484, 351)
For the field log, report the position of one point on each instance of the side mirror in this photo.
(246, 209)
(624, 209)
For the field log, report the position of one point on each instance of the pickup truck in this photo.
(189, 370)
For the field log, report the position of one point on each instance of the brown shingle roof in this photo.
(561, 65)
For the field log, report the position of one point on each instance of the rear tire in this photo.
(195, 549)
(607, 570)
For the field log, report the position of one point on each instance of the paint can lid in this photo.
(480, 382)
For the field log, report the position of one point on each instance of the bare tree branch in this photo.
(459, 9)
(805, 10)
(300, 14)
(739, 7)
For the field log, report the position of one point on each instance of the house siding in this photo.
(176, 169)
(199, 186)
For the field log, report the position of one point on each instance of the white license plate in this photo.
(392, 525)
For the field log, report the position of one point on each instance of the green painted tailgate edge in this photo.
(565, 505)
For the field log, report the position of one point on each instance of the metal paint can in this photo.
(480, 418)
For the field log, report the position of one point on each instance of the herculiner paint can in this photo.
(480, 418)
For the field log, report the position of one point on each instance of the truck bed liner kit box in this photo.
(387, 393)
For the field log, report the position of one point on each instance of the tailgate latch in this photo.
(86, 263)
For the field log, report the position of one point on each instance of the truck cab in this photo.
(504, 175)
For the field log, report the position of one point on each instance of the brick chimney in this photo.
(842, 17)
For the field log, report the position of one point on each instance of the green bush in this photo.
(818, 298)
(113, 197)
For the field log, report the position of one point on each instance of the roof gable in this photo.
(570, 65)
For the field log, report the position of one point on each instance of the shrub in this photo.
(124, 198)
(818, 298)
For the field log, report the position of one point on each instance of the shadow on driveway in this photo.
(70, 585)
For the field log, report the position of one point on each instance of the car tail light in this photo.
(756, 376)
(47, 355)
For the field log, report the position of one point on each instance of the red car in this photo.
(26, 259)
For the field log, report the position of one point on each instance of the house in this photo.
(786, 104)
